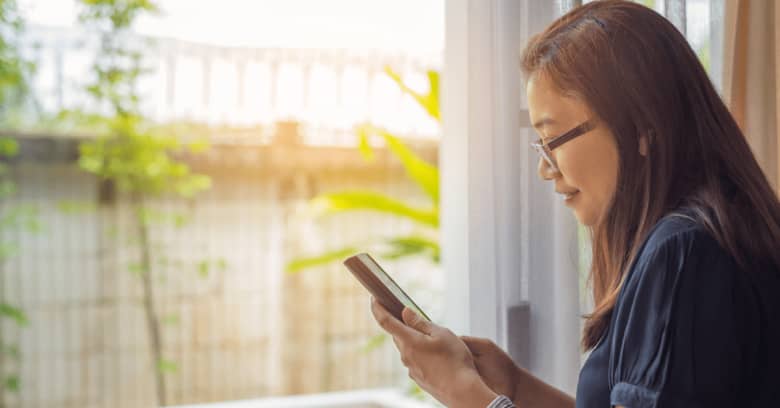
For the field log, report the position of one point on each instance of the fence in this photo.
(240, 328)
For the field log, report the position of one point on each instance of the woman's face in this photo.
(588, 164)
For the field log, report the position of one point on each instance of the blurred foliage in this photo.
(142, 159)
(423, 174)
(430, 100)
(426, 219)
(130, 151)
(704, 54)
(300, 264)
(12, 217)
(648, 3)
(15, 70)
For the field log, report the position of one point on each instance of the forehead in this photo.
(547, 104)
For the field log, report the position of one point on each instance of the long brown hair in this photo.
(640, 77)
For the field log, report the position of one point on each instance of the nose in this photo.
(545, 171)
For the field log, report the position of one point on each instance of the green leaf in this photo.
(372, 201)
(12, 383)
(10, 351)
(302, 263)
(198, 146)
(429, 101)
(22, 216)
(363, 133)
(180, 220)
(76, 207)
(137, 268)
(8, 147)
(138, 160)
(31, 224)
(167, 366)
(8, 249)
(203, 268)
(424, 174)
(13, 313)
(189, 186)
(171, 320)
(374, 342)
(412, 245)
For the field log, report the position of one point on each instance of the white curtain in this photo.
(751, 76)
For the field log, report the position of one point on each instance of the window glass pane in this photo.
(236, 291)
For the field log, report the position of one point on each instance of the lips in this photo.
(567, 195)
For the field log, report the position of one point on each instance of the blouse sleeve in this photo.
(676, 330)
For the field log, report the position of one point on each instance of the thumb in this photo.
(416, 322)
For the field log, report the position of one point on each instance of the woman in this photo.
(685, 231)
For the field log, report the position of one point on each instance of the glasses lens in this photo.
(550, 161)
(542, 150)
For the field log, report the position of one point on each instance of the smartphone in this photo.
(381, 285)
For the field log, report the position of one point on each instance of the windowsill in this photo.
(372, 398)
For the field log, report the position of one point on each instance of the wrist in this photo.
(516, 381)
(472, 393)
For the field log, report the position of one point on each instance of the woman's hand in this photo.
(438, 360)
(495, 366)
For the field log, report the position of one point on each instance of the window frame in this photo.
(503, 231)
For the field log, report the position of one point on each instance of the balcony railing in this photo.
(244, 87)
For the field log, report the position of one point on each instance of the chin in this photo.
(587, 219)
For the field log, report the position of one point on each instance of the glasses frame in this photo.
(545, 149)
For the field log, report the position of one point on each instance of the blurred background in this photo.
(181, 179)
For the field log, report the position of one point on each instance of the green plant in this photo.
(140, 159)
(13, 217)
(425, 175)
(15, 70)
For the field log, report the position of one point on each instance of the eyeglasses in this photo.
(545, 149)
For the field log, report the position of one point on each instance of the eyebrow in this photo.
(543, 122)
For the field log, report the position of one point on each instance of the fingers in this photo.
(390, 324)
(478, 345)
(415, 321)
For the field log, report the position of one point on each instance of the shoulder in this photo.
(678, 228)
(680, 271)
(680, 266)
(679, 241)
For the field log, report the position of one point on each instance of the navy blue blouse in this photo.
(689, 329)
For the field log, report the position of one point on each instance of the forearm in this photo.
(472, 393)
(531, 392)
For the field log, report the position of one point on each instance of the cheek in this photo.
(594, 173)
